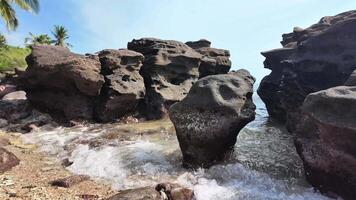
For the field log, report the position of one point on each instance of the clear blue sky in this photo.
(244, 27)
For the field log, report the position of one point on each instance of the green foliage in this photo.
(3, 43)
(12, 57)
(60, 34)
(7, 12)
(38, 39)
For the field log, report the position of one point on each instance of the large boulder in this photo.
(209, 118)
(214, 61)
(169, 70)
(326, 138)
(56, 77)
(124, 86)
(312, 59)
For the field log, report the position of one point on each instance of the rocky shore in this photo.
(93, 117)
(311, 89)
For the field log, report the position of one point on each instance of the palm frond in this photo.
(29, 5)
(8, 14)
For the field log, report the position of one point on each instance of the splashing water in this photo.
(265, 164)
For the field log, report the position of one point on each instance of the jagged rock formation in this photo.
(215, 61)
(124, 86)
(326, 138)
(209, 118)
(143, 81)
(169, 70)
(62, 81)
(313, 59)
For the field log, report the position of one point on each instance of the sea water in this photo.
(265, 164)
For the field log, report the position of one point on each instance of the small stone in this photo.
(69, 181)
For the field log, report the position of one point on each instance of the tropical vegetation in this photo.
(37, 39)
(8, 14)
(60, 34)
(12, 57)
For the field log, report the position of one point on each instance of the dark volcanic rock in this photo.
(124, 86)
(55, 78)
(7, 160)
(169, 70)
(215, 61)
(199, 44)
(326, 138)
(209, 118)
(312, 59)
(69, 181)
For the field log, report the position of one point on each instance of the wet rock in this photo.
(214, 61)
(312, 59)
(326, 138)
(209, 119)
(164, 191)
(146, 193)
(7, 160)
(13, 111)
(124, 86)
(175, 192)
(18, 95)
(61, 81)
(69, 181)
(169, 70)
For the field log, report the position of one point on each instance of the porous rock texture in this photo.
(214, 61)
(113, 84)
(124, 86)
(169, 70)
(62, 82)
(102, 87)
(312, 59)
(326, 138)
(209, 118)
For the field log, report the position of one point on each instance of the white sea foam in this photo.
(139, 163)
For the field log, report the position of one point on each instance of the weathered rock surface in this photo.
(62, 81)
(313, 59)
(169, 70)
(326, 138)
(19, 116)
(7, 160)
(214, 61)
(164, 191)
(209, 118)
(124, 86)
(69, 181)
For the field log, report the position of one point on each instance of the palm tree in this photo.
(60, 34)
(38, 39)
(3, 42)
(8, 13)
